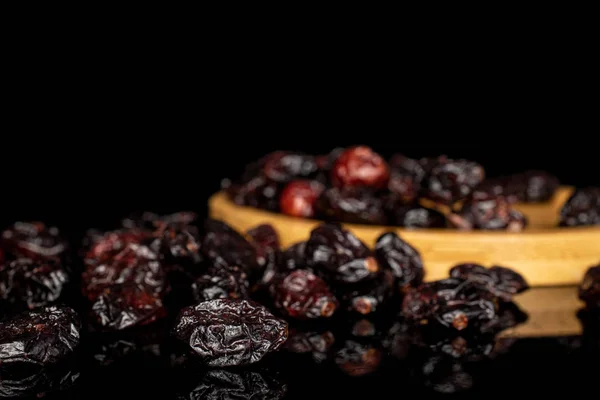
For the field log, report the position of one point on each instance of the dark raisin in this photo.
(303, 295)
(25, 283)
(293, 257)
(283, 166)
(221, 283)
(33, 240)
(228, 332)
(461, 315)
(488, 213)
(351, 205)
(449, 181)
(301, 341)
(399, 257)
(582, 208)
(501, 281)
(413, 216)
(178, 246)
(358, 359)
(41, 337)
(531, 186)
(589, 289)
(227, 248)
(258, 192)
(404, 187)
(220, 384)
(266, 241)
(403, 164)
(105, 246)
(298, 198)
(339, 255)
(360, 166)
(368, 297)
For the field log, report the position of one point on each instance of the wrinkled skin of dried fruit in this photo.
(178, 246)
(360, 166)
(25, 283)
(352, 205)
(227, 248)
(299, 197)
(399, 257)
(339, 255)
(488, 213)
(227, 332)
(582, 208)
(501, 281)
(589, 289)
(41, 337)
(368, 297)
(283, 167)
(257, 192)
(221, 283)
(303, 295)
(239, 385)
(449, 181)
(104, 247)
(358, 359)
(33, 240)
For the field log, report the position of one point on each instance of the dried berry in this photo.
(257, 192)
(589, 289)
(358, 359)
(228, 332)
(41, 337)
(26, 283)
(417, 217)
(410, 166)
(227, 248)
(221, 283)
(283, 166)
(220, 384)
(266, 242)
(352, 205)
(33, 240)
(309, 341)
(293, 257)
(298, 198)
(368, 297)
(582, 208)
(500, 281)
(488, 213)
(531, 186)
(360, 166)
(399, 257)
(404, 187)
(178, 246)
(105, 246)
(303, 295)
(449, 181)
(338, 254)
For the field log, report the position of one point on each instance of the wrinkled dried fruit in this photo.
(360, 166)
(404, 187)
(338, 254)
(266, 242)
(283, 166)
(25, 283)
(227, 332)
(178, 246)
(221, 283)
(531, 186)
(368, 297)
(353, 205)
(303, 295)
(227, 248)
(399, 257)
(488, 213)
(500, 281)
(403, 164)
(105, 246)
(414, 216)
(33, 240)
(298, 198)
(589, 289)
(582, 208)
(449, 181)
(257, 192)
(42, 337)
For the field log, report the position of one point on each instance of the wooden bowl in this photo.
(543, 253)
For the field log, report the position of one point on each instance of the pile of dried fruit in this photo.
(357, 185)
(233, 299)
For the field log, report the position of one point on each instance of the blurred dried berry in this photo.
(488, 213)
(589, 289)
(582, 208)
(403, 164)
(298, 198)
(399, 257)
(283, 167)
(501, 281)
(360, 166)
(368, 297)
(352, 205)
(257, 192)
(33, 240)
(303, 295)
(449, 181)
(221, 283)
(104, 246)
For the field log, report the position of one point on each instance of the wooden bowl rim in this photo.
(529, 233)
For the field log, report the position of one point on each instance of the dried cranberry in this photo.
(33, 240)
(221, 283)
(283, 166)
(449, 181)
(26, 283)
(582, 208)
(298, 198)
(339, 255)
(488, 212)
(589, 289)
(227, 248)
(399, 257)
(360, 166)
(368, 297)
(501, 281)
(107, 245)
(303, 295)
(352, 205)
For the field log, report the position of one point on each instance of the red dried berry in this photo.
(303, 295)
(360, 166)
(298, 198)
